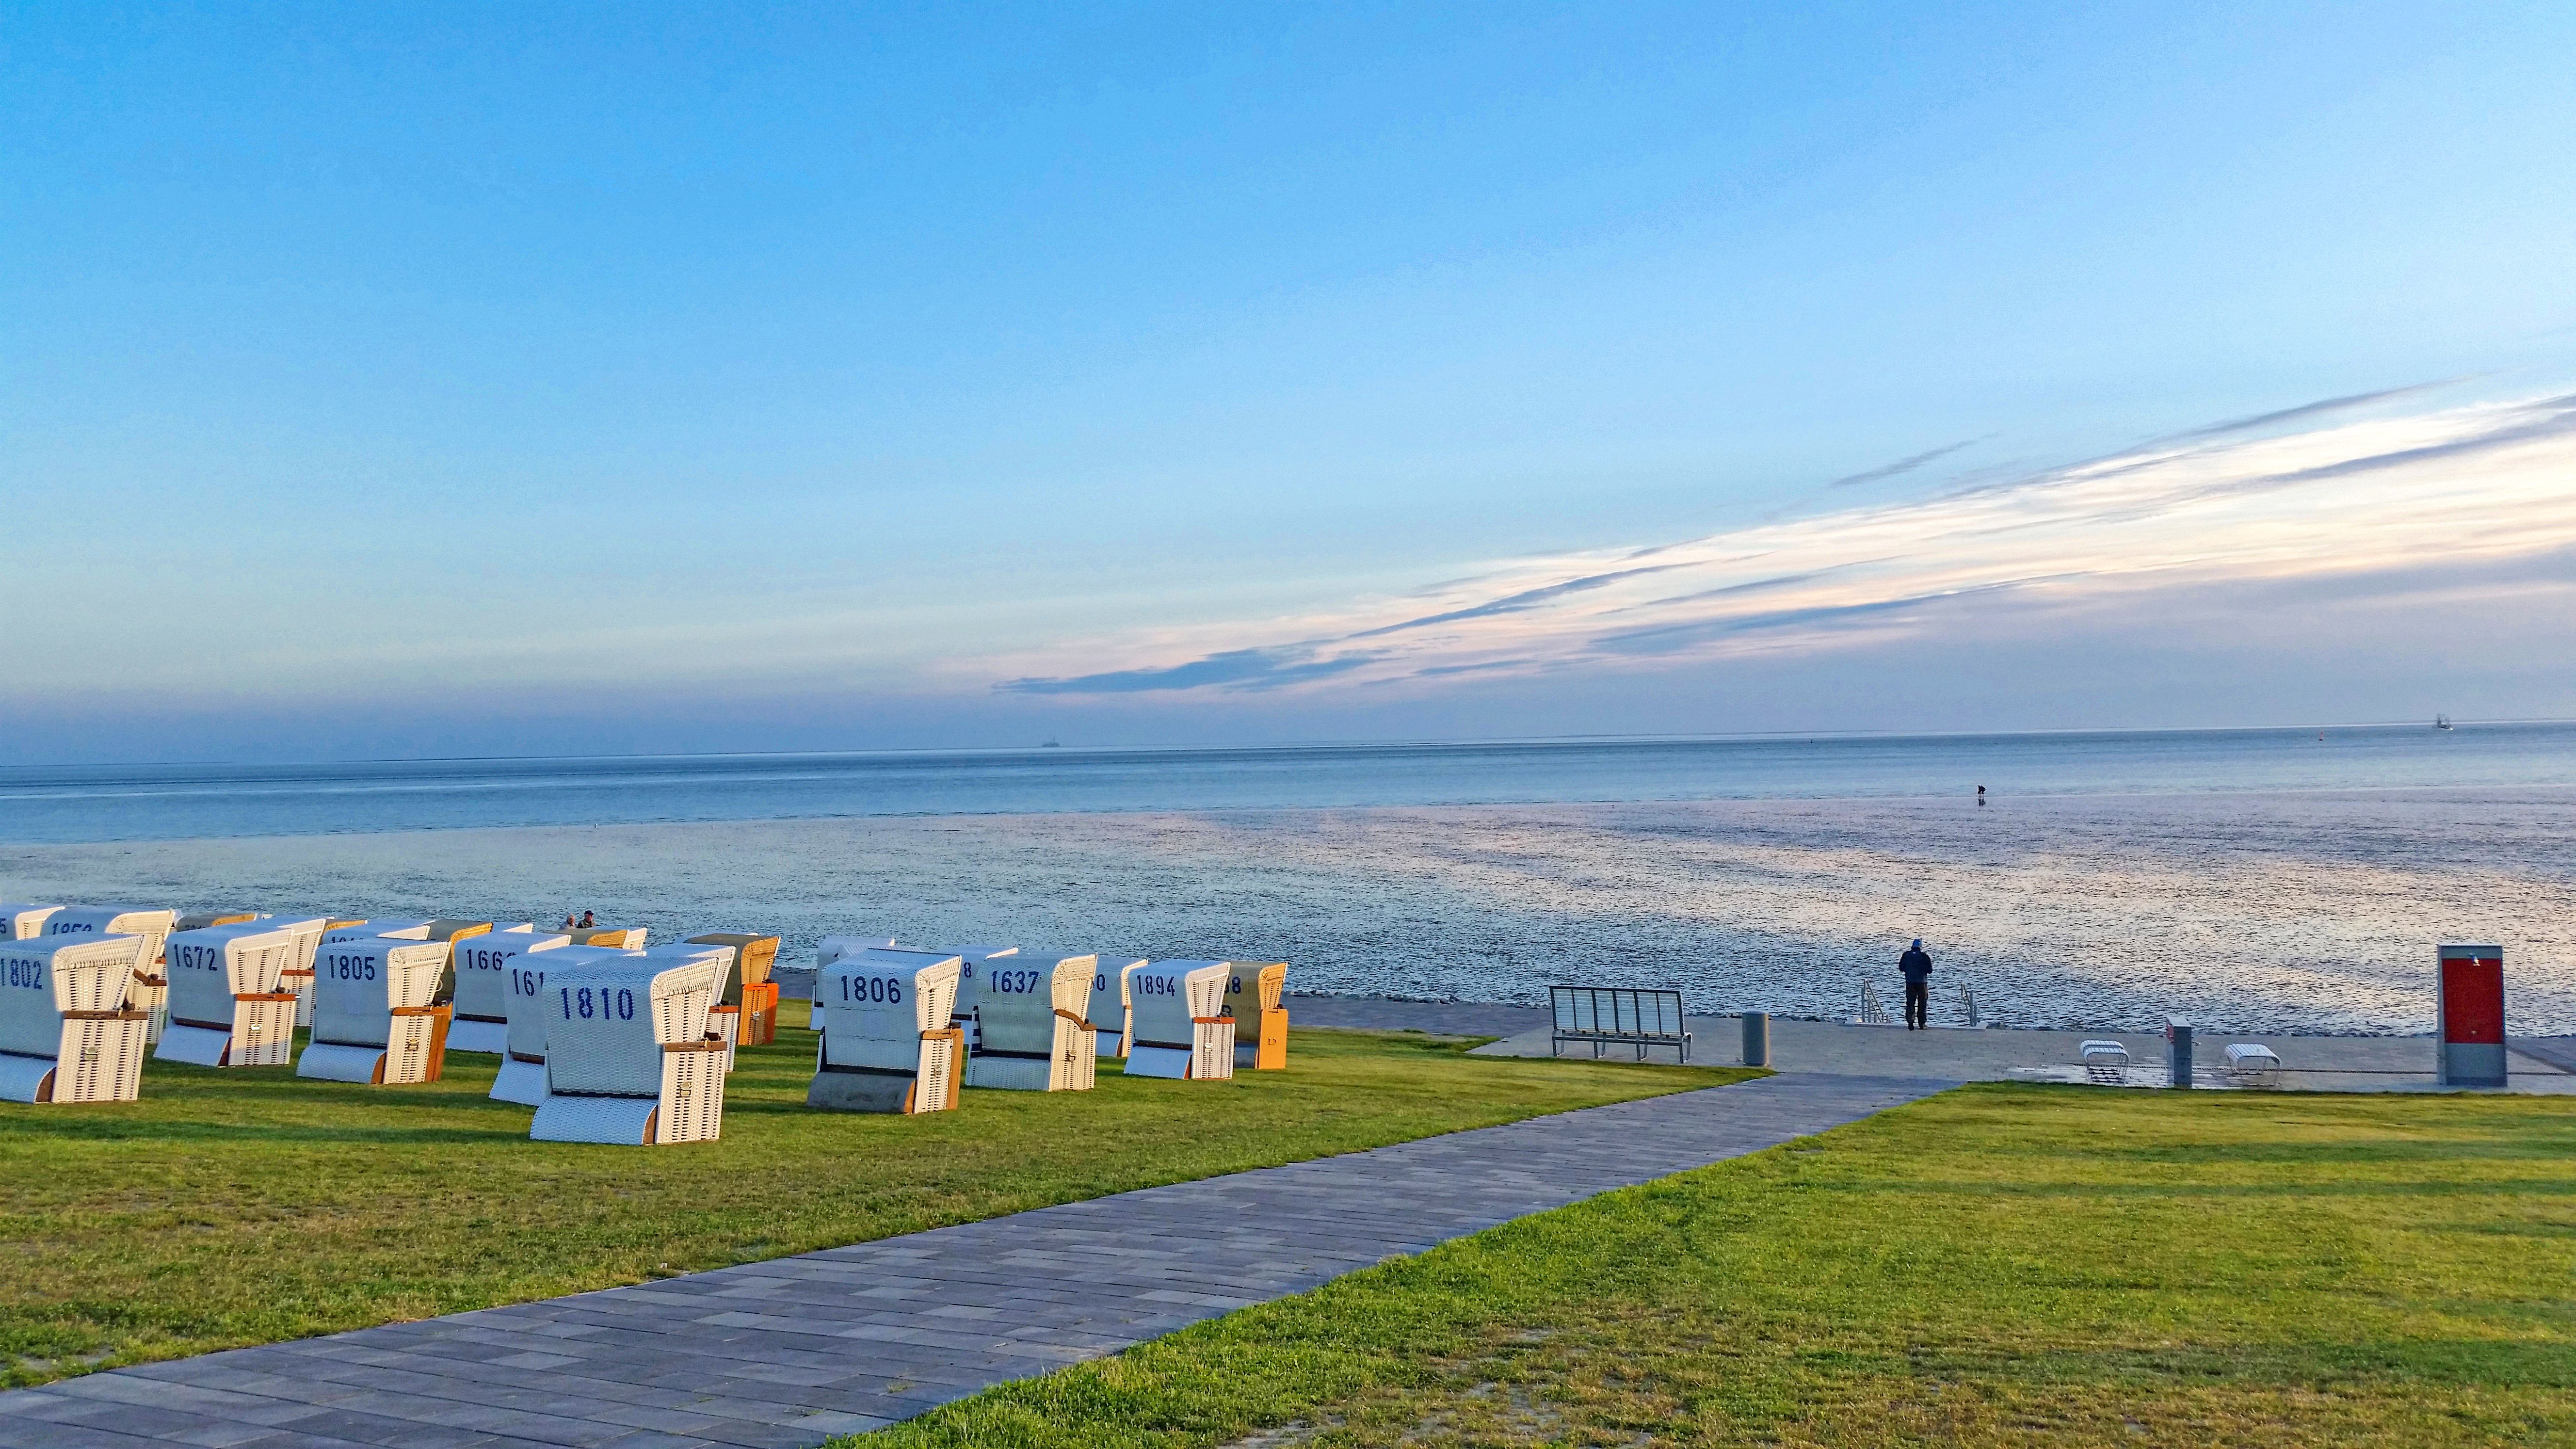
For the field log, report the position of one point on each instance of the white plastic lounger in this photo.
(1035, 1037)
(1252, 990)
(67, 1033)
(2252, 1059)
(228, 1002)
(379, 1013)
(2104, 1053)
(483, 985)
(22, 922)
(890, 1047)
(1108, 1008)
(522, 1078)
(1175, 1013)
(628, 1058)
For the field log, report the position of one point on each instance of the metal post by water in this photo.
(1757, 1038)
(2178, 1051)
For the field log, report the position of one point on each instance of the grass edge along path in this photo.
(238, 1207)
(1995, 1265)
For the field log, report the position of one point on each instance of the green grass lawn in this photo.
(247, 1206)
(1998, 1265)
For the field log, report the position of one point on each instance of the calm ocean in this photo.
(2259, 880)
(168, 802)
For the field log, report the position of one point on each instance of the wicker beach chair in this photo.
(1034, 1034)
(67, 1033)
(629, 1060)
(721, 1024)
(20, 921)
(522, 1078)
(151, 993)
(753, 998)
(890, 1046)
(381, 1009)
(1176, 1018)
(2251, 1061)
(483, 965)
(833, 948)
(1252, 991)
(974, 961)
(229, 1002)
(1108, 1006)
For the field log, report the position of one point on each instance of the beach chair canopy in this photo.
(52, 975)
(400, 930)
(209, 967)
(149, 922)
(21, 921)
(1023, 993)
(608, 1018)
(357, 985)
(881, 1001)
(483, 969)
(524, 977)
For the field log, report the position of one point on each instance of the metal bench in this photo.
(2252, 1060)
(1642, 1017)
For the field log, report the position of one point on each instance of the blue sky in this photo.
(494, 379)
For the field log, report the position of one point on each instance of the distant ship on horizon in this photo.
(2441, 721)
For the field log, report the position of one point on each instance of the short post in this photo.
(2178, 1051)
(1757, 1038)
(2468, 1015)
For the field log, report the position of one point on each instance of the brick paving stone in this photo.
(794, 1351)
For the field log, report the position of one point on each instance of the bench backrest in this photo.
(1625, 1011)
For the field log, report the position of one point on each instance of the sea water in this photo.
(2257, 880)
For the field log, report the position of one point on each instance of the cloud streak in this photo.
(2304, 493)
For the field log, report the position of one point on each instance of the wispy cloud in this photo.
(1905, 465)
(2302, 493)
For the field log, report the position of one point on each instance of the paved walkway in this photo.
(796, 1350)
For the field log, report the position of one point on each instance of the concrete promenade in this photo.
(796, 1350)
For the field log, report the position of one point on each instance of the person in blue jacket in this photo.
(1918, 985)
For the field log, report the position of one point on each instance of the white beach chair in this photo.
(831, 949)
(297, 978)
(67, 1034)
(522, 1078)
(151, 993)
(381, 1009)
(200, 920)
(22, 922)
(229, 1006)
(628, 1057)
(1177, 1022)
(398, 930)
(970, 984)
(1252, 991)
(1108, 1008)
(890, 1046)
(722, 1026)
(1034, 1035)
(2252, 1061)
(483, 985)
